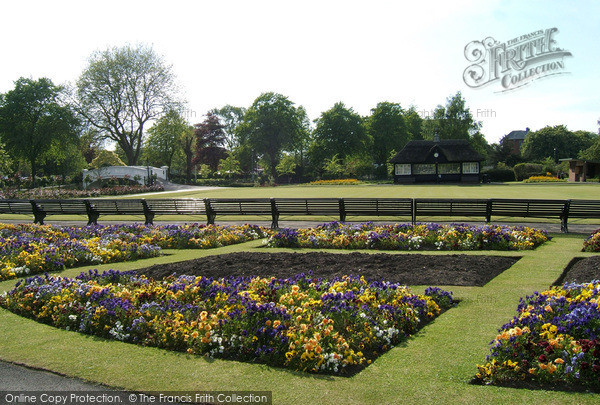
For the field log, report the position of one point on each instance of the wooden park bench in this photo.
(24, 207)
(43, 208)
(237, 206)
(450, 207)
(378, 207)
(581, 209)
(181, 206)
(533, 208)
(306, 206)
(114, 207)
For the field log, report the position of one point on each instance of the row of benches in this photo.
(338, 207)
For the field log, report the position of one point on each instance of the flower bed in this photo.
(302, 323)
(592, 243)
(544, 179)
(30, 249)
(335, 182)
(336, 235)
(553, 340)
(58, 193)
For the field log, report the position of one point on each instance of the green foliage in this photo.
(339, 131)
(271, 125)
(121, 90)
(592, 152)
(5, 161)
(333, 166)
(452, 121)
(163, 139)
(500, 174)
(556, 142)
(229, 167)
(526, 170)
(503, 152)
(287, 166)
(230, 116)
(414, 123)
(106, 158)
(387, 128)
(33, 118)
(205, 171)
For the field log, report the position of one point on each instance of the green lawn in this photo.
(434, 366)
(507, 190)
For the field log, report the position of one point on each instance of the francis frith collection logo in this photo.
(514, 63)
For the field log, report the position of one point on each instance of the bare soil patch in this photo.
(409, 269)
(581, 270)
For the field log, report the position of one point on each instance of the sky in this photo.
(318, 53)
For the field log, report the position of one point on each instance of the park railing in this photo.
(411, 209)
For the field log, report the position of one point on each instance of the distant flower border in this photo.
(335, 182)
(337, 235)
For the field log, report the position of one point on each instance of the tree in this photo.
(339, 131)
(187, 141)
(33, 118)
(271, 125)
(452, 121)
(503, 152)
(230, 116)
(229, 166)
(387, 128)
(287, 166)
(122, 89)
(106, 158)
(210, 138)
(414, 123)
(556, 142)
(163, 138)
(90, 144)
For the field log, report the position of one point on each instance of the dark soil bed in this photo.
(581, 270)
(414, 269)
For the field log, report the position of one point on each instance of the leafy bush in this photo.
(499, 174)
(526, 170)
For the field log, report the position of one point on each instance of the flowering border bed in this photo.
(592, 243)
(554, 341)
(303, 323)
(336, 235)
(31, 249)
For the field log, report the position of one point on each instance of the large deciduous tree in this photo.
(210, 138)
(230, 116)
(122, 89)
(387, 128)
(452, 121)
(163, 138)
(33, 118)
(556, 142)
(270, 125)
(339, 131)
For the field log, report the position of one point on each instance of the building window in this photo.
(449, 168)
(403, 169)
(470, 167)
(425, 169)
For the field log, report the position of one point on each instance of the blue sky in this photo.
(320, 52)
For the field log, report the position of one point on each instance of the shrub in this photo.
(500, 174)
(526, 170)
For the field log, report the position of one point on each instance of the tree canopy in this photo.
(339, 131)
(270, 125)
(387, 127)
(163, 138)
(210, 141)
(33, 117)
(122, 89)
(556, 142)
